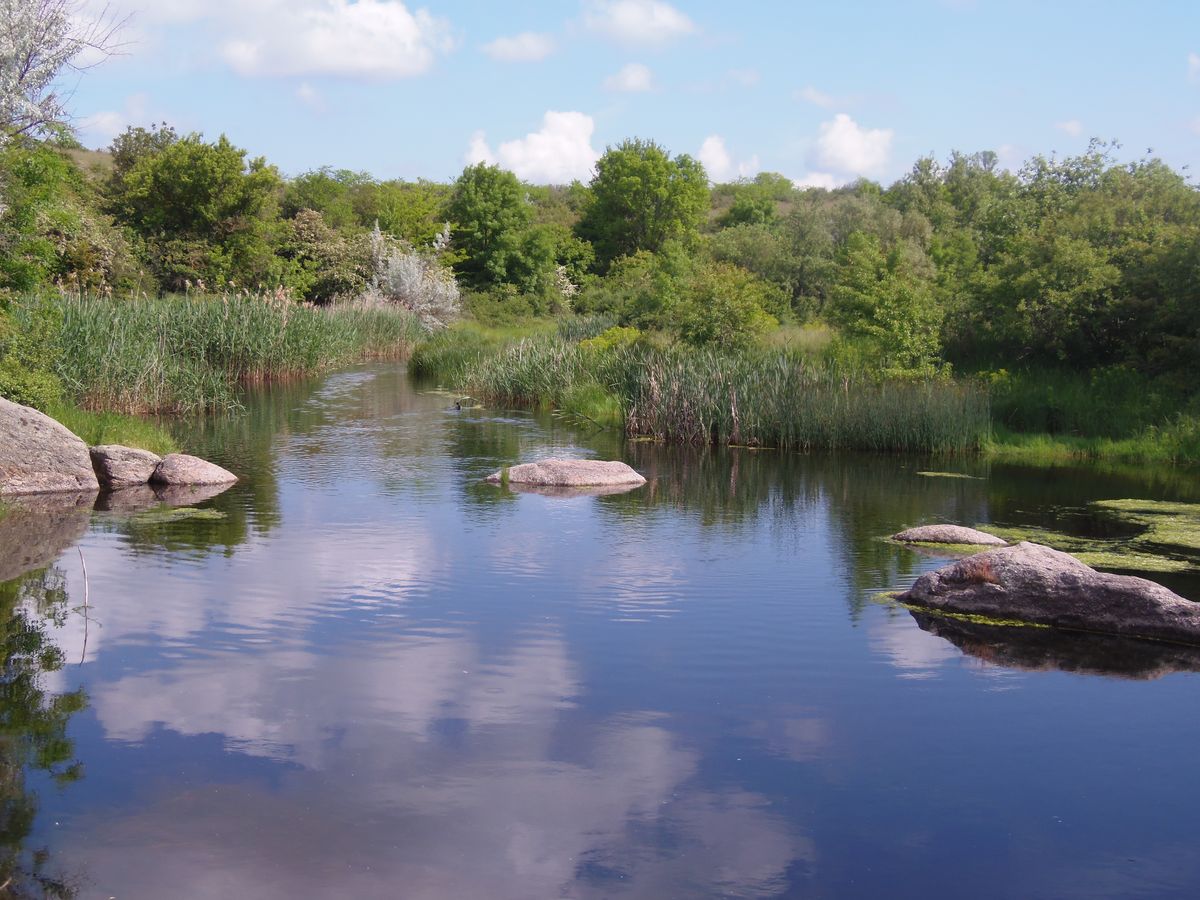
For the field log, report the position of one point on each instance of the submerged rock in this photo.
(40, 456)
(35, 530)
(117, 466)
(570, 473)
(1036, 584)
(181, 469)
(584, 490)
(947, 534)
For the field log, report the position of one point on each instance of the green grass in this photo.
(1177, 442)
(187, 354)
(114, 428)
(757, 398)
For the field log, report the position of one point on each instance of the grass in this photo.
(1177, 442)
(758, 398)
(114, 428)
(187, 354)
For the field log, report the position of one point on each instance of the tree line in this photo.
(1075, 262)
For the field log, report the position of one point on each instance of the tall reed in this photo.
(764, 398)
(182, 354)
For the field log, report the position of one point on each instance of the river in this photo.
(364, 672)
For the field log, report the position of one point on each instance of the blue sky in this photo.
(822, 92)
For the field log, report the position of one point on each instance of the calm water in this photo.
(365, 673)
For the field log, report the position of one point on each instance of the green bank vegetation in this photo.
(1050, 311)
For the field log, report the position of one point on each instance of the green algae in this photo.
(950, 475)
(180, 514)
(1169, 542)
(936, 549)
(1168, 525)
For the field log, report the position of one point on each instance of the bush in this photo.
(414, 280)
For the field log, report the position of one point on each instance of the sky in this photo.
(822, 92)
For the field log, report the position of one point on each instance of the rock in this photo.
(35, 530)
(189, 494)
(571, 473)
(179, 468)
(40, 456)
(947, 534)
(1035, 584)
(118, 466)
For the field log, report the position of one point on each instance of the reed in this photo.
(753, 398)
(185, 354)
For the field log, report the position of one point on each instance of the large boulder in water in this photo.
(1036, 584)
(947, 534)
(571, 473)
(179, 468)
(40, 456)
(118, 466)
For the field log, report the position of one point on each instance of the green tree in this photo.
(642, 198)
(878, 300)
(205, 213)
(494, 234)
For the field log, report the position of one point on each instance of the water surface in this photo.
(362, 672)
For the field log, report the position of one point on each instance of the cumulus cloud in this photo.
(637, 21)
(1072, 127)
(810, 94)
(844, 147)
(719, 163)
(632, 78)
(528, 46)
(366, 39)
(558, 153)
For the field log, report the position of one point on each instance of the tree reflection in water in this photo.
(33, 728)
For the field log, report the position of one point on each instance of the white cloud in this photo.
(366, 39)
(810, 94)
(637, 21)
(719, 163)
(1072, 127)
(103, 126)
(632, 78)
(825, 180)
(1193, 64)
(528, 46)
(558, 153)
(845, 147)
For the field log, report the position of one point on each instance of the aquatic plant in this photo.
(183, 354)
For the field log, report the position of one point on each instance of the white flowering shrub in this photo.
(38, 40)
(413, 279)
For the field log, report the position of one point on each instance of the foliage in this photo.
(95, 428)
(39, 40)
(29, 350)
(183, 354)
(724, 305)
(413, 280)
(641, 198)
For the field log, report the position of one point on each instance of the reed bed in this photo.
(760, 399)
(186, 354)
